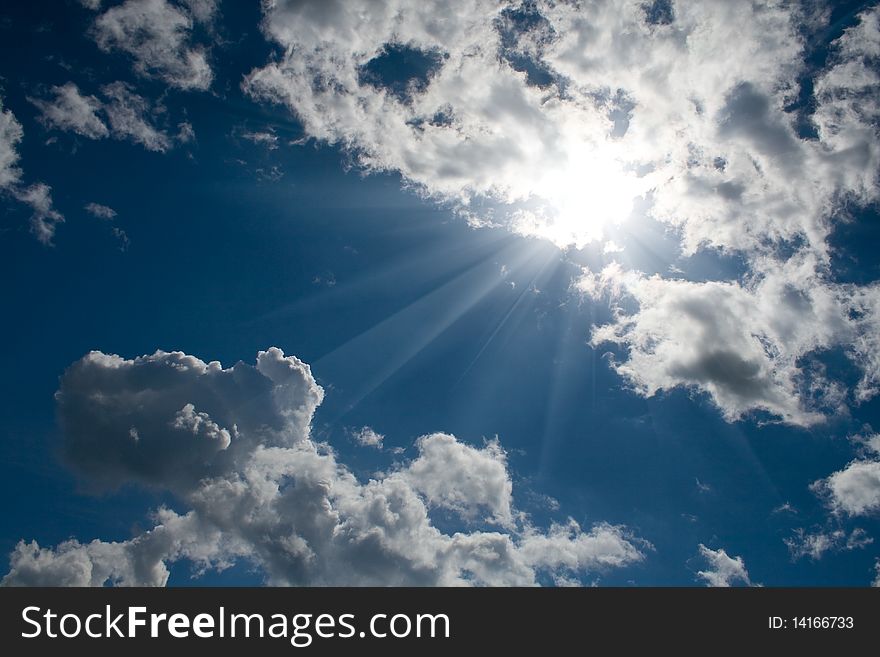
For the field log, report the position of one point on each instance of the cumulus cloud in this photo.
(722, 569)
(748, 345)
(876, 582)
(157, 35)
(855, 490)
(162, 397)
(234, 445)
(73, 112)
(455, 476)
(560, 116)
(563, 112)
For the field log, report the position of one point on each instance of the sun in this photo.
(578, 201)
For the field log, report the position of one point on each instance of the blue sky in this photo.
(607, 304)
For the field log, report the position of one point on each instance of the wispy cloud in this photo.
(157, 36)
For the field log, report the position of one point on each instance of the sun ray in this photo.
(523, 295)
(384, 349)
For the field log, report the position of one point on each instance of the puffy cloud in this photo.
(234, 445)
(94, 5)
(722, 569)
(746, 345)
(568, 547)
(201, 424)
(368, 437)
(855, 490)
(850, 492)
(191, 419)
(562, 113)
(127, 114)
(876, 582)
(71, 111)
(816, 544)
(156, 34)
(138, 562)
(455, 476)
(100, 211)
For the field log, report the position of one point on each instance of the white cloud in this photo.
(706, 126)
(562, 114)
(127, 113)
(722, 569)
(45, 217)
(102, 397)
(100, 211)
(108, 214)
(848, 108)
(201, 424)
(94, 5)
(203, 11)
(11, 134)
(71, 111)
(185, 133)
(368, 437)
(566, 546)
(816, 544)
(746, 345)
(265, 138)
(156, 34)
(455, 476)
(38, 196)
(864, 305)
(234, 446)
(137, 562)
(122, 237)
(853, 491)
(876, 582)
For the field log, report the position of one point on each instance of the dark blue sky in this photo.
(412, 321)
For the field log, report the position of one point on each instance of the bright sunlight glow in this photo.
(575, 203)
